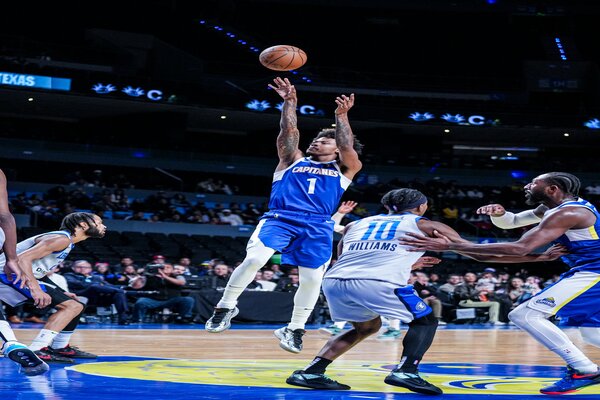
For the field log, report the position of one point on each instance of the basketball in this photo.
(282, 58)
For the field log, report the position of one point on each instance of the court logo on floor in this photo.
(453, 378)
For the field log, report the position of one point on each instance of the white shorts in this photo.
(361, 300)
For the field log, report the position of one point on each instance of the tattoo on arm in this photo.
(289, 136)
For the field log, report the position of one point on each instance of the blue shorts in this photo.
(303, 239)
(573, 299)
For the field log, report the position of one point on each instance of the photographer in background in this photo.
(166, 286)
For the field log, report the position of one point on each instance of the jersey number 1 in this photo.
(312, 182)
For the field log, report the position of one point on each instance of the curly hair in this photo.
(330, 133)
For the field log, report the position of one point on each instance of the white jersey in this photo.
(43, 265)
(371, 250)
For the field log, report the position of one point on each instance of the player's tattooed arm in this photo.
(344, 137)
(289, 135)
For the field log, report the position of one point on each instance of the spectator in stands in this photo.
(131, 273)
(469, 295)
(124, 263)
(186, 262)
(277, 272)
(83, 283)
(181, 270)
(137, 216)
(255, 284)
(289, 284)
(218, 278)
(227, 217)
(168, 285)
(251, 214)
(427, 292)
(451, 283)
(516, 292)
(267, 280)
(103, 269)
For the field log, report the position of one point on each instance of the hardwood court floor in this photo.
(138, 363)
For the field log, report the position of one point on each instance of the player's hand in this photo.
(284, 88)
(554, 252)
(344, 103)
(423, 243)
(347, 207)
(493, 210)
(13, 272)
(41, 299)
(426, 262)
(71, 295)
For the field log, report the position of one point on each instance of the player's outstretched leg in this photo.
(29, 363)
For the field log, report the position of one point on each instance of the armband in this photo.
(510, 220)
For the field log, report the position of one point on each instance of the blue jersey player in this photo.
(306, 191)
(574, 223)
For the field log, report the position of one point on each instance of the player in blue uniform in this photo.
(29, 362)
(305, 193)
(574, 223)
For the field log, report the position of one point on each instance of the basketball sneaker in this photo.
(330, 330)
(314, 381)
(412, 382)
(71, 352)
(221, 319)
(572, 382)
(29, 363)
(49, 357)
(390, 334)
(290, 340)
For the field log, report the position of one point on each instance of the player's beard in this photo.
(533, 199)
(94, 232)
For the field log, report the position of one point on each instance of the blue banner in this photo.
(34, 81)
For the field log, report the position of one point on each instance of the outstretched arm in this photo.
(443, 236)
(289, 135)
(507, 220)
(344, 137)
(551, 228)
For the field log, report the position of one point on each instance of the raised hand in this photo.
(284, 88)
(493, 210)
(344, 103)
(347, 207)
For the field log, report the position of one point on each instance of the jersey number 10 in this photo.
(385, 230)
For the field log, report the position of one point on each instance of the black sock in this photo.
(318, 366)
(409, 365)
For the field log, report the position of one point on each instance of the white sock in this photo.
(340, 324)
(43, 339)
(307, 295)
(6, 332)
(62, 340)
(394, 324)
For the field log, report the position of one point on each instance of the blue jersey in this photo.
(309, 187)
(583, 244)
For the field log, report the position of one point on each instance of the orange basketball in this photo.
(282, 57)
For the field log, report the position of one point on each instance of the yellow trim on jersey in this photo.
(594, 282)
(593, 232)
